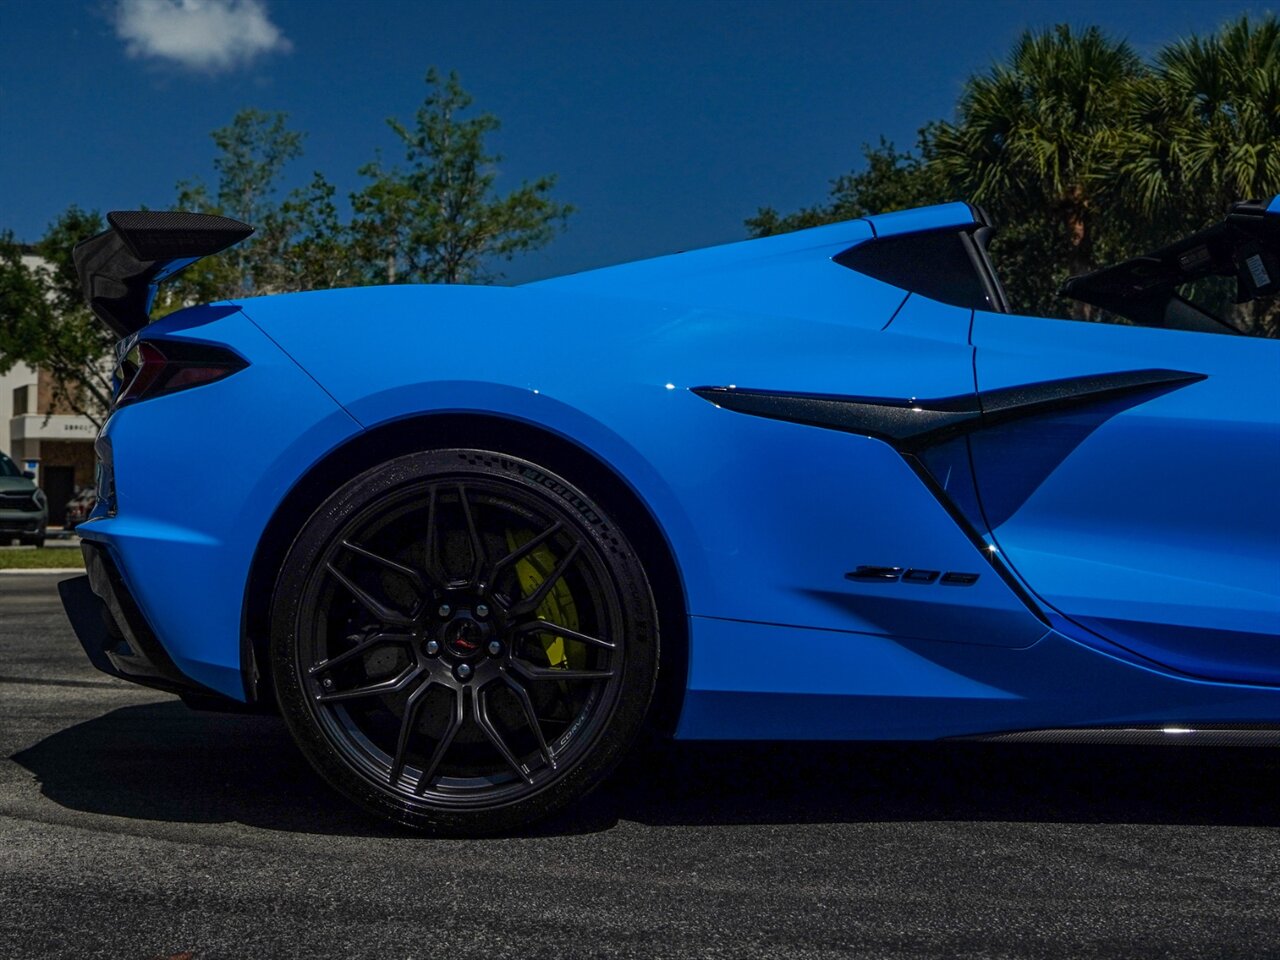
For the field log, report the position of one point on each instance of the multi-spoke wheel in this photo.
(462, 641)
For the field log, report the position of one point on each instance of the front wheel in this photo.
(462, 641)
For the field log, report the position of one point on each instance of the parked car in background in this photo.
(78, 507)
(24, 511)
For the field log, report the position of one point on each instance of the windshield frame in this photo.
(1148, 290)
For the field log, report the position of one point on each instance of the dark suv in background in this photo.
(24, 511)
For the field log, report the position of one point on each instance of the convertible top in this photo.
(1245, 245)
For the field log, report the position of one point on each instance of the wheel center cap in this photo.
(463, 637)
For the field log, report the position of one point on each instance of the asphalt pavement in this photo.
(131, 827)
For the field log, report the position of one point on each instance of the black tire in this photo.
(410, 646)
(37, 541)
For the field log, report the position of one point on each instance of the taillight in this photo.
(156, 367)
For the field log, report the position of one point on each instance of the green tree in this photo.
(385, 214)
(440, 218)
(44, 321)
(304, 244)
(253, 152)
(1205, 125)
(1205, 132)
(1035, 141)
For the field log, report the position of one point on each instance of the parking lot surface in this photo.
(131, 827)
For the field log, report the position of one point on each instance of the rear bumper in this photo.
(111, 628)
(119, 641)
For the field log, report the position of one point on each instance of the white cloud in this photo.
(208, 35)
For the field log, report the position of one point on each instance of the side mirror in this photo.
(29, 474)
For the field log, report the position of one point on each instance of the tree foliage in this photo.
(1034, 141)
(252, 153)
(1204, 128)
(439, 218)
(44, 321)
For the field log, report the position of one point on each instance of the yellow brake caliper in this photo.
(558, 605)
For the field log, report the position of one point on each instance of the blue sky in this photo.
(667, 123)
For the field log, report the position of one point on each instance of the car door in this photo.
(1136, 489)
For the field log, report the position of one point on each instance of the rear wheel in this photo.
(462, 641)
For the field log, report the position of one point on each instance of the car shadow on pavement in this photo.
(163, 762)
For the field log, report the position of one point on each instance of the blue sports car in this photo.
(471, 541)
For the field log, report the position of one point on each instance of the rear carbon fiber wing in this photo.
(120, 268)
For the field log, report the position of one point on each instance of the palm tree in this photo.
(1206, 123)
(1035, 141)
(1205, 131)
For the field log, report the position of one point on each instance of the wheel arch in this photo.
(485, 431)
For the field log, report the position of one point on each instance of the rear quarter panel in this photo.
(764, 517)
(198, 476)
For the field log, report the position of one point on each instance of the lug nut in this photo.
(444, 610)
(481, 610)
(433, 647)
(464, 671)
(495, 648)
(326, 683)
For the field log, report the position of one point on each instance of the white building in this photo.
(40, 436)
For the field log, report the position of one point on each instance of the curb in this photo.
(21, 570)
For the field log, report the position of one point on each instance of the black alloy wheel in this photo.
(462, 641)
